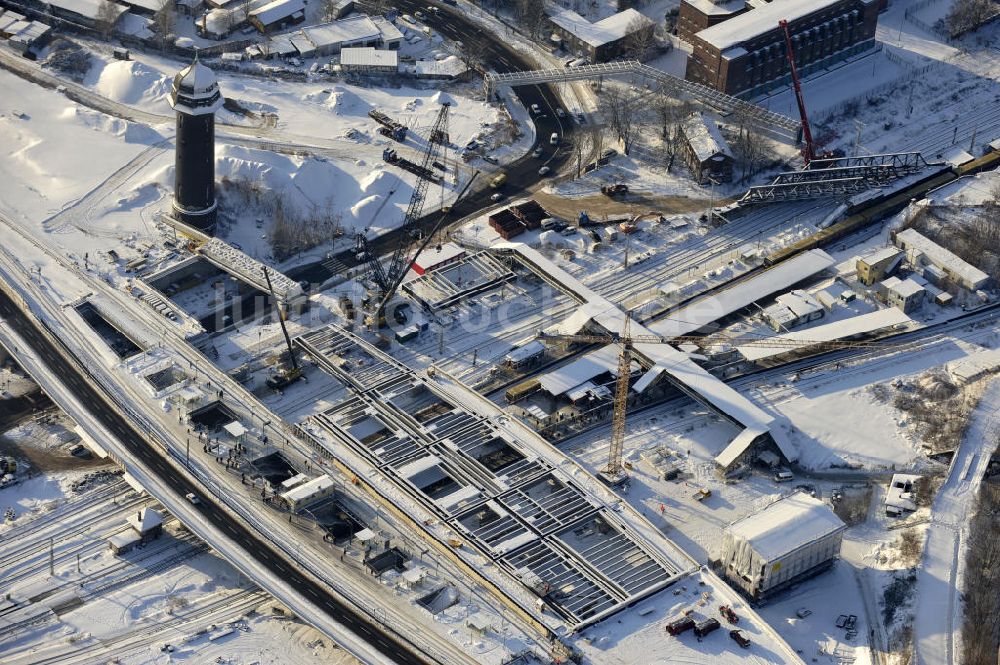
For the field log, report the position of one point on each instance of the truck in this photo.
(678, 626)
(707, 626)
(617, 189)
(702, 494)
(394, 130)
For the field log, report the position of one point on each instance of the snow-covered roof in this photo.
(702, 312)
(294, 481)
(882, 254)
(306, 490)
(344, 31)
(448, 251)
(975, 365)
(912, 239)
(235, 429)
(146, 519)
(856, 325)
(704, 137)
(799, 302)
(529, 350)
(600, 33)
(906, 287)
(758, 21)
(786, 525)
(368, 56)
(390, 33)
(277, 10)
(584, 368)
(87, 8)
(738, 446)
(899, 494)
(717, 7)
(195, 90)
(135, 25)
(150, 5)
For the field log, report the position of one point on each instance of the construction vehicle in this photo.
(701, 494)
(618, 189)
(680, 625)
(727, 612)
(387, 278)
(392, 157)
(810, 149)
(707, 626)
(389, 127)
(8, 465)
(287, 373)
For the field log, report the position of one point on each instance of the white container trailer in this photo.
(792, 538)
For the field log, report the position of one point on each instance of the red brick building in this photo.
(745, 55)
(696, 15)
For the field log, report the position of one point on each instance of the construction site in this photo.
(602, 358)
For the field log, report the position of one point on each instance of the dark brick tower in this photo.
(195, 97)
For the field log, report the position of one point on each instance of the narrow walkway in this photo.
(938, 614)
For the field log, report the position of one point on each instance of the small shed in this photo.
(705, 150)
(479, 623)
(369, 60)
(899, 494)
(308, 492)
(413, 578)
(235, 429)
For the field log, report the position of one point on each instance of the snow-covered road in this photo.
(938, 615)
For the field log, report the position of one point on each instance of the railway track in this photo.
(66, 510)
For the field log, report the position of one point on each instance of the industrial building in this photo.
(793, 309)
(369, 60)
(144, 526)
(876, 266)
(937, 263)
(745, 55)
(330, 38)
(439, 257)
(85, 12)
(904, 294)
(23, 35)
(791, 539)
(705, 150)
(195, 98)
(597, 42)
(277, 15)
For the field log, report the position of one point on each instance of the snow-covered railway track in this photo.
(43, 521)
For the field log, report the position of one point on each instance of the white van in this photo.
(554, 139)
(783, 476)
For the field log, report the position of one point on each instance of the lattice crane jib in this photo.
(614, 466)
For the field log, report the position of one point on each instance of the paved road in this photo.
(938, 613)
(389, 644)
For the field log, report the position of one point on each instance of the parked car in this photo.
(420, 16)
(408, 18)
(740, 638)
(550, 224)
(568, 231)
(489, 159)
(783, 476)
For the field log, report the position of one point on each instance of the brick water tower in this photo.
(195, 97)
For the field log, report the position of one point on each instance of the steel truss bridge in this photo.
(669, 84)
(837, 177)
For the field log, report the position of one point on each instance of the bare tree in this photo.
(966, 15)
(530, 14)
(164, 22)
(246, 6)
(618, 107)
(670, 113)
(107, 16)
(641, 36)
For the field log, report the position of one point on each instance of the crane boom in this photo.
(281, 320)
(809, 151)
(614, 468)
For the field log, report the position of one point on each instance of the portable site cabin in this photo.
(793, 538)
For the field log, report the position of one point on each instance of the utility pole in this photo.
(187, 460)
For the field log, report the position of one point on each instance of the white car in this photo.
(496, 197)
(193, 498)
(408, 18)
(420, 15)
(535, 109)
(544, 170)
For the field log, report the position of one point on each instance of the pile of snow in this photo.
(131, 82)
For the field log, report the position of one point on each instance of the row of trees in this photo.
(967, 15)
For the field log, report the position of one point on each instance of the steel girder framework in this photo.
(834, 177)
(717, 100)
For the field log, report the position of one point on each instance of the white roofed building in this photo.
(370, 60)
(705, 150)
(278, 14)
(921, 252)
(83, 11)
(600, 41)
(793, 538)
(745, 54)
